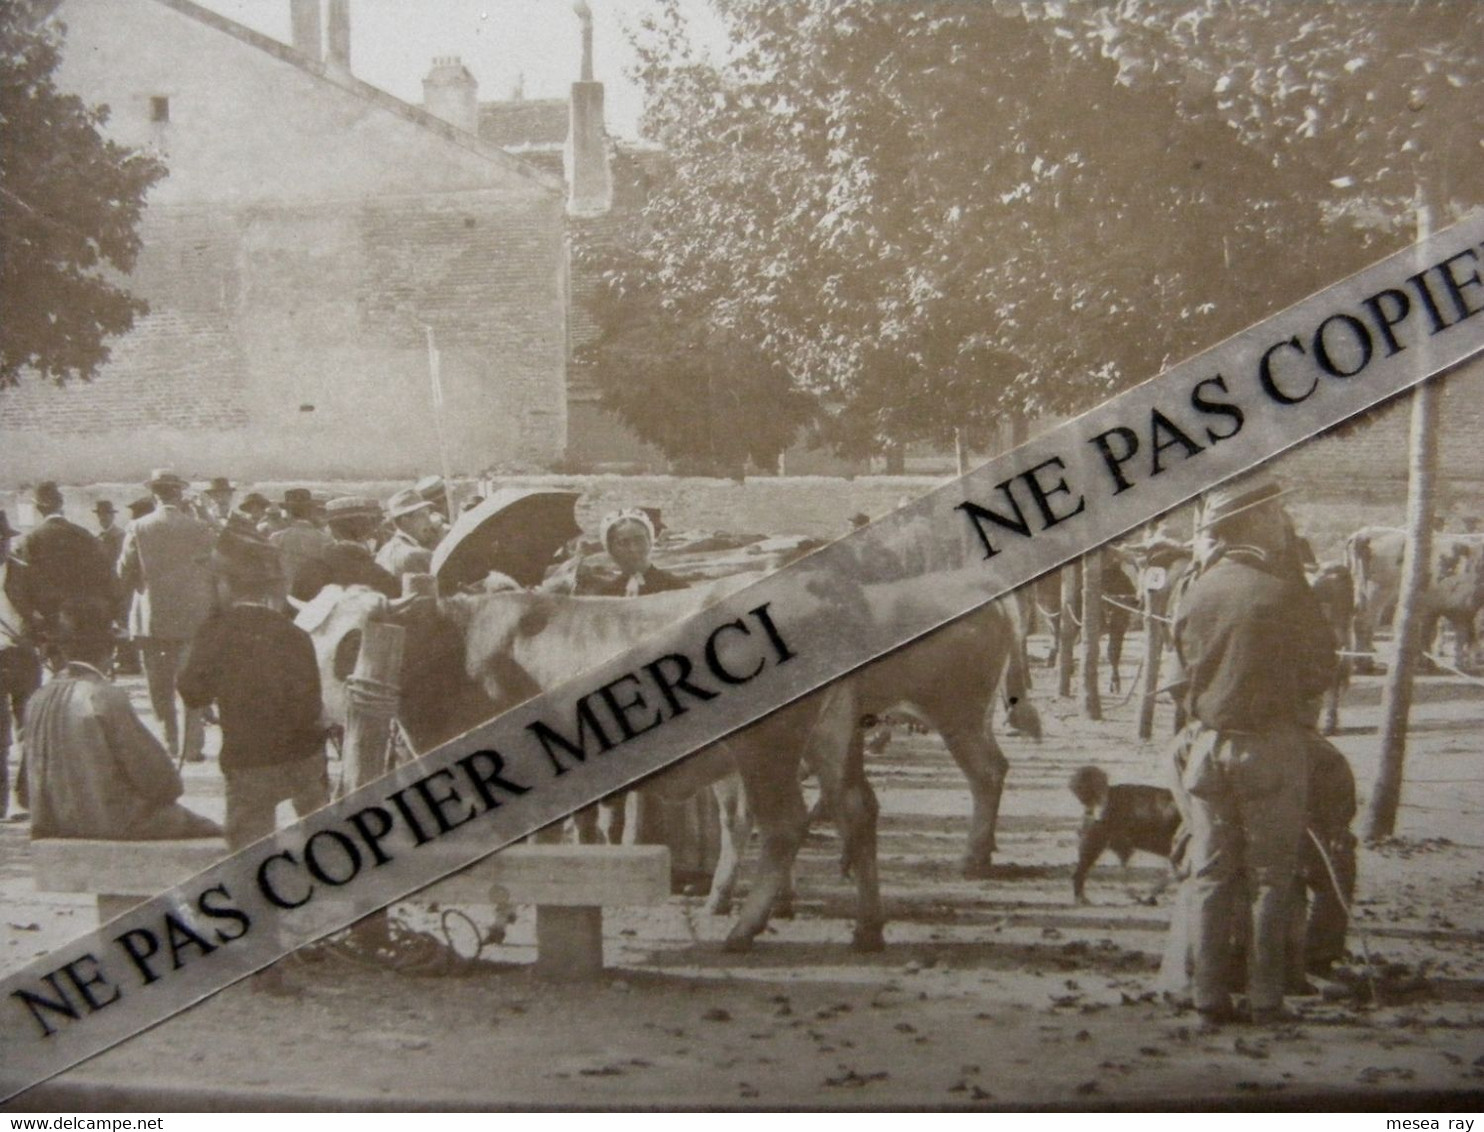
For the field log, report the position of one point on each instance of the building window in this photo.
(159, 108)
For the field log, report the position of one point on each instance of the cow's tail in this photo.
(1021, 713)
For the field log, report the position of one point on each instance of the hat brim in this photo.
(1206, 524)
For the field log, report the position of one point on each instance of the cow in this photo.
(511, 646)
(1454, 593)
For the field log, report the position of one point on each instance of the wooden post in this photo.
(1396, 696)
(1154, 644)
(1066, 631)
(1092, 631)
(372, 692)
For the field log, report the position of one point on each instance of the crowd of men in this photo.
(198, 587)
(192, 590)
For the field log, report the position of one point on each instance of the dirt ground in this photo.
(998, 993)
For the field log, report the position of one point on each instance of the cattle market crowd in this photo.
(198, 590)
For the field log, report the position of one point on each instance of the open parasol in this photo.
(516, 531)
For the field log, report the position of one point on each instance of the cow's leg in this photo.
(589, 831)
(736, 831)
(774, 797)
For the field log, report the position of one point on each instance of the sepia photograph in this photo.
(370, 369)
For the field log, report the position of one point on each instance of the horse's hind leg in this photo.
(774, 796)
(736, 830)
(984, 766)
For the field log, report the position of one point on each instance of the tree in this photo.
(71, 203)
(933, 216)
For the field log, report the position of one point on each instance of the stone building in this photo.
(314, 238)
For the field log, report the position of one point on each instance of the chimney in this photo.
(305, 16)
(337, 35)
(589, 183)
(450, 92)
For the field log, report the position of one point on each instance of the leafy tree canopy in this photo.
(71, 202)
(933, 215)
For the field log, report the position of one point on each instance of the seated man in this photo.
(92, 769)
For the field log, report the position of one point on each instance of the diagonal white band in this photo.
(1365, 339)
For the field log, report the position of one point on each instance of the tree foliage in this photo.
(71, 202)
(934, 215)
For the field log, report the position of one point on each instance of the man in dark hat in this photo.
(219, 500)
(255, 506)
(92, 768)
(301, 541)
(1255, 651)
(58, 561)
(139, 508)
(20, 665)
(259, 669)
(166, 565)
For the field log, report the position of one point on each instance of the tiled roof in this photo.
(526, 122)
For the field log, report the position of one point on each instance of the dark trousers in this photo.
(20, 675)
(163, 660)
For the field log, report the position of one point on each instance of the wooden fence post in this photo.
(1092, 631)
(1154, 643)
(1066, 623)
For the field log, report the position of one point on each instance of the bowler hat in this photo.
(103, 507)
(219, 484)
(1236, 496)
(165, 477)
(254, 499)
(298, 496)
(405, 502)
(48, 493)
(139, 508)
(6, 530)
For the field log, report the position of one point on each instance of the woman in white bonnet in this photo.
(628, 536)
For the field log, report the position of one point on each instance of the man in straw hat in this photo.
(259, 669)
(1255, 651)
(410, 549)
(166, 565)
(348, 561)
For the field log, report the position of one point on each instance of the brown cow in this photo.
(513, 645)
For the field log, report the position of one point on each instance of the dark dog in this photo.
(1122, 818)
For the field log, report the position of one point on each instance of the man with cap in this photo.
(58, 561)
(1255, 651)
(110, 537)
(259, 669)
(348, 560)
(92, 768)
(410, 549)
(435, 491)
(20, 666)
(219, 500)
(166, 566)
(301, 541)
